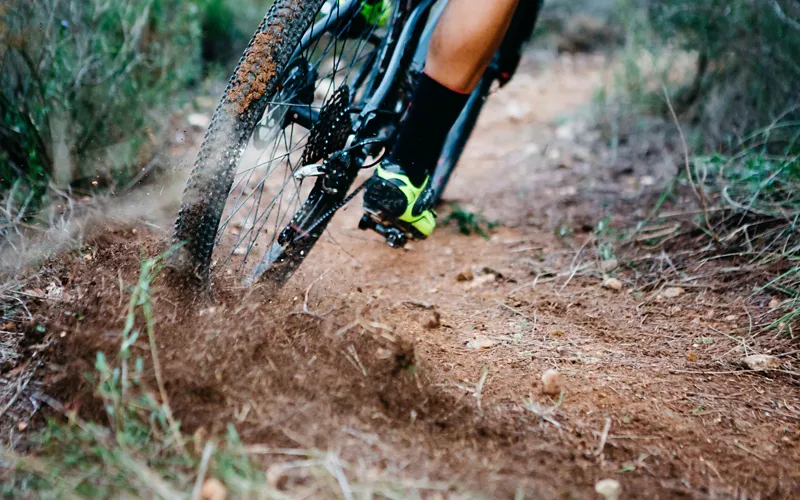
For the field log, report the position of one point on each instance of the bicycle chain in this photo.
(325, 216)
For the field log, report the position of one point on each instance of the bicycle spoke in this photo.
(265, 196)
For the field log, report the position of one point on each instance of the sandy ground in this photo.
(426, 364)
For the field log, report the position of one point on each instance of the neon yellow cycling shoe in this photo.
(391, 195)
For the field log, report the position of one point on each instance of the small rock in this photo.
(481, 343)
(609, 265)
(691, 357)
(774, 303)
(761, 362)
(730, 318)
(22, 426)
(612, 284)
(466, 275)
(199, 120)
(647, 180)
(88, 257)
(551, 383)
(741, 424)
(609, 489)
(213, 489)
(673, 292)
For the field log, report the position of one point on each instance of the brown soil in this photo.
(365, 368)
(255, 72)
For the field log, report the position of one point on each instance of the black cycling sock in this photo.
(433, 110)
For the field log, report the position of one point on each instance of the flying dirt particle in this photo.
(612, 284)
(213, 489)
(465, 275)
(609, 489)
(761, 362)
(672, 292)
(199, 121)
(276, 476)
(552, 384)
(480, 343)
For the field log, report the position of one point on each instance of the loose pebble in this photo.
(609, 489)
(761, 362)
(213, 489)
(480, 343)
(612, 284)
(673, 292)
(552, 384)
(465, 275)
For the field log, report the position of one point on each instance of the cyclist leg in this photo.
(463, 43)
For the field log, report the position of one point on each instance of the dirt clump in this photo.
(256, 72)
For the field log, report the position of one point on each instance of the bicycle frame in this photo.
(409, 33)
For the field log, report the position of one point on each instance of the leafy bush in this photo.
(746, 66)
(81, 83)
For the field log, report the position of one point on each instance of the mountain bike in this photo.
(315, 99)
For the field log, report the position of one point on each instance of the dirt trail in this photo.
(363, 368)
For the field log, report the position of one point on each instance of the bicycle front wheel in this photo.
(246, 207)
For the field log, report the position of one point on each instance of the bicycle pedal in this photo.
(395, 236)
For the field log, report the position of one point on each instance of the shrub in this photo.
(746, 62)
(81, 83)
